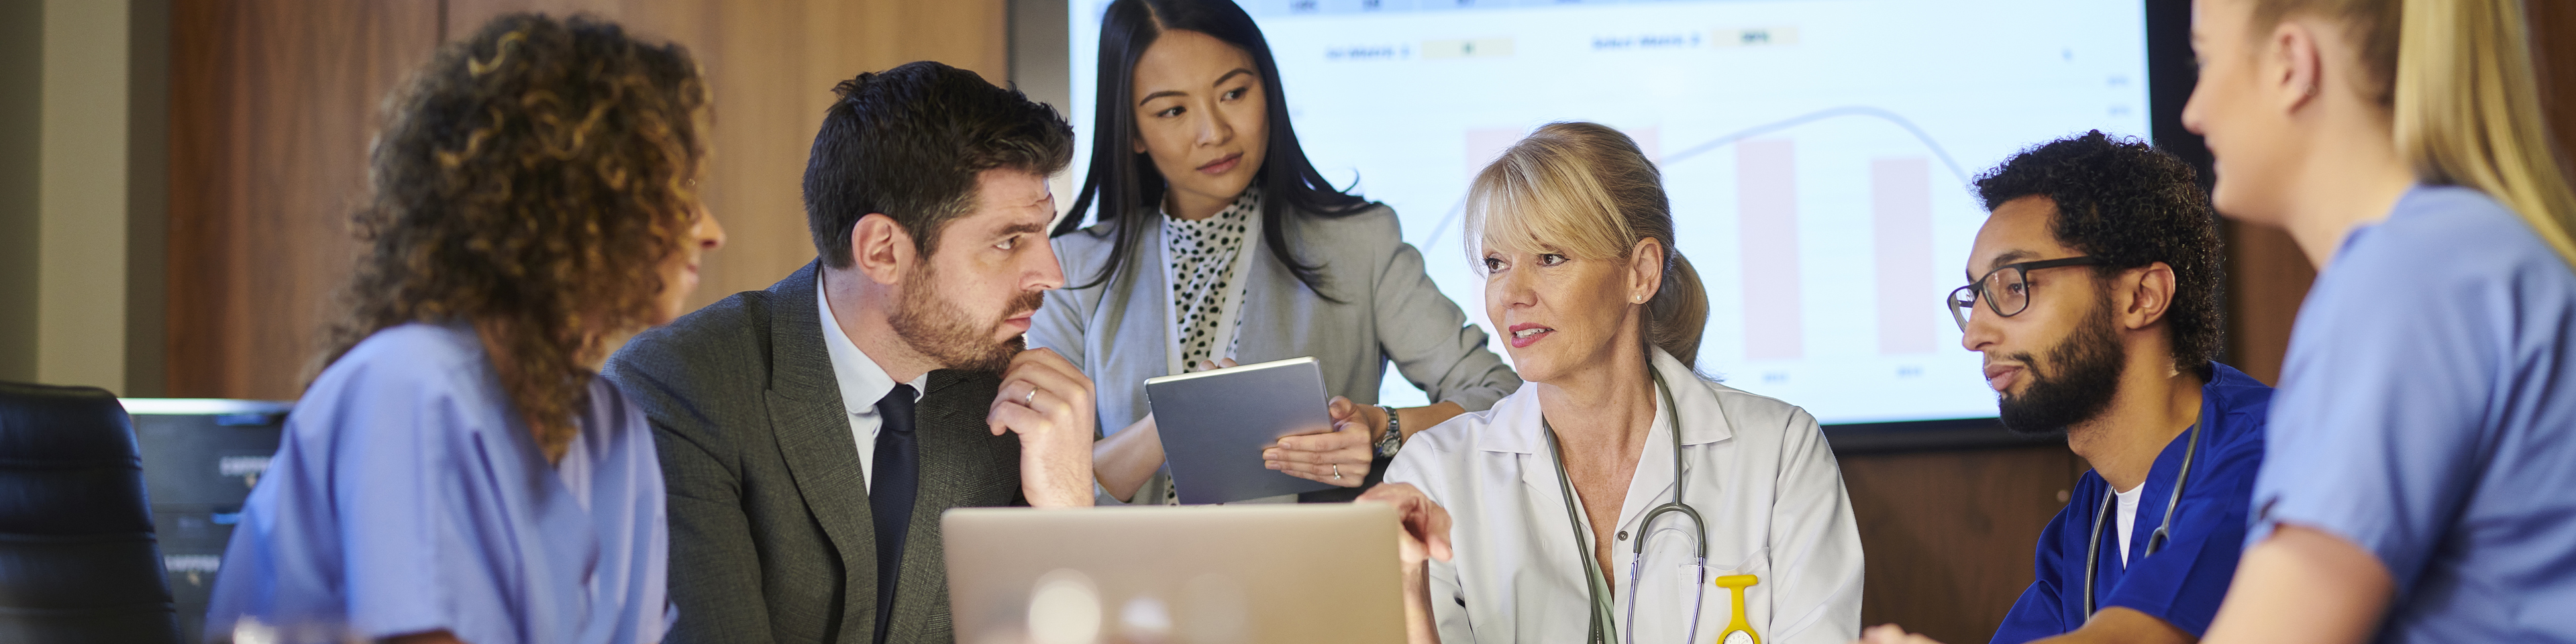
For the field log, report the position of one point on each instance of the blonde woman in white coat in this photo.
(1574, 234)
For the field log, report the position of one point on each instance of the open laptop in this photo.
(1245, 573)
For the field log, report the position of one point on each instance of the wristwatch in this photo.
(1394, 437)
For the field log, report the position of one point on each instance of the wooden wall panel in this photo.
(771, 67)
(274, 102)
(1949, 535)
(2553, 37)
(272, 105)
(2267, 276)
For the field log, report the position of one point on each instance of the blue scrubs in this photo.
(2183, 582)
(2428, 416)
(406, 497)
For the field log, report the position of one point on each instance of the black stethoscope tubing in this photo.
(2164, 530)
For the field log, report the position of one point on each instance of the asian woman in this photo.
(1217, 239)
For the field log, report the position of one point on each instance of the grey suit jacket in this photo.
(771, 536)
(1119, 332)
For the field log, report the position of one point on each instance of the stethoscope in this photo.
(2155, 540)
(1603, 629)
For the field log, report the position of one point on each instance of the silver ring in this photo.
(1030, 400)
(1337, 471)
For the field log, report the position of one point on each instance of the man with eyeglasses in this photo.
(2093, 294)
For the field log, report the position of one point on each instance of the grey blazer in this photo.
(1119, 332)
(771, 536)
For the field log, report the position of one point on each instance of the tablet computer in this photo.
(1215, 423)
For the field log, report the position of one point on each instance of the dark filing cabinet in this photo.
(200, 459)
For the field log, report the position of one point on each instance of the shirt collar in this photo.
(1703, 420)
(1698, 400)
(1242, 210)
(862, 381)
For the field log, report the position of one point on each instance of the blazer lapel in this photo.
(1269, 304)
(813, 429)
(1144, 331)
(1154, 293)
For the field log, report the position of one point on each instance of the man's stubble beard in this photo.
(944, 332)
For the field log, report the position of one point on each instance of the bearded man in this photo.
(811, 433)
(2093, 293)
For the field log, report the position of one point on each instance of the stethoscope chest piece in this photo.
(1738, 630)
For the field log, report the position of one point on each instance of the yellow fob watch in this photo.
(1738, 631)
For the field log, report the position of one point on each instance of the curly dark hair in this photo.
(525, 179)
(2132, 205)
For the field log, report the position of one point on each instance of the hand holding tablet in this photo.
(1340, 457)
(1217, 425)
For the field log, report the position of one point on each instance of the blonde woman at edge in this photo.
(1575, 237)
(2416, 485)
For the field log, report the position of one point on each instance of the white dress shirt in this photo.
(1759, 472)
(862, 382)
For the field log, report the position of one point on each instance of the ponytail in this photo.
(1677, 316)
(2468, 111)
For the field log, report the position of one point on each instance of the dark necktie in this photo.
(892, 481)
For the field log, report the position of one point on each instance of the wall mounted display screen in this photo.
(1817, 152)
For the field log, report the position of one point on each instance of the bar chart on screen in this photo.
(1819, 241)
(1818, 154)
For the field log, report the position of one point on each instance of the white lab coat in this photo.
(1760, 473)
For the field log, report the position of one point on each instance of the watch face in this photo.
(1739, 637)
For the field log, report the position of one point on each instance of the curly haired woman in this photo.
(458, 472)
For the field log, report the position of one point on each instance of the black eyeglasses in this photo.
(2006, 290)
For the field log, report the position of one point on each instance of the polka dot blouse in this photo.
(1203, 254)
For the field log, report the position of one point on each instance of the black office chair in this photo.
(78, 562)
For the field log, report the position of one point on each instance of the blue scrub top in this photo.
(406, 496)
(2183, 582)
(2428, 416)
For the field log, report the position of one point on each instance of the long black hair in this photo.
(1124, 184)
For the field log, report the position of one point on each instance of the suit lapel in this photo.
(813, 429)
(957, 448)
